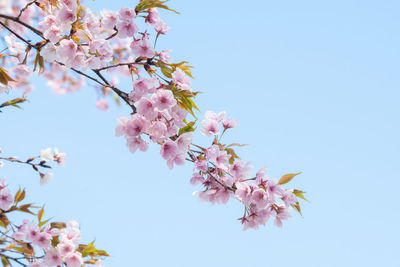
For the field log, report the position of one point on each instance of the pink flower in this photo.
(109, 19)
(65, 248)
(71, 4)
(126, 29)
(142, 86)
(13, 45)
(121, 127)
(289, 198)
(184, 141)
(66, 16)
(243, 193)
(78, 61)
(158, 131)
(179, 159)
(43, 240)
(143, 48)
(169, 150)
(240, 170)
(211, 115)
(161, 27)
(32, 231)
(136, 125)
(49, 52)
(74, 260)
(152, 16)
(274, 189)
(229, 123)
(6, 199)
(23, 71)
(53, 34)
(201, 165)
(260, 198)
(261, 175)
(197, 179)
(135, 143)
(101, 104)
(163, 99)
(281, 213)
(146, 107)
(164, 56)
(181, 80)
(66, 49)
(2, 183)
(127, 14)
(209, 127)
(222, 160)
(52, 257)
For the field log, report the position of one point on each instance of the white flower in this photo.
(59, 157)
(49, 52)
(47, 154)
(45, 178)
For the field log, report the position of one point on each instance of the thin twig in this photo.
(25, 8)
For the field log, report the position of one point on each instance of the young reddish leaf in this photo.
(287, 178)
(297, 207)
(4, 77)
(19, 196)
(236, 144)
(58, 225)
(40, 214)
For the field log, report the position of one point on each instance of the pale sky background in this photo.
(315, 87)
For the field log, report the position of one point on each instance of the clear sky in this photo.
(315, 87)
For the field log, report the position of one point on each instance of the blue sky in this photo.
(315, 87)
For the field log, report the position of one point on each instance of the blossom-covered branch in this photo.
(36, 242)
(69, 36)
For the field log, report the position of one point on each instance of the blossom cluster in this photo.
(159, 117)
(42, 243)
(65, 252)
(223, 175)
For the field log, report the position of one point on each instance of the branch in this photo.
(25, 8)
(23, 24)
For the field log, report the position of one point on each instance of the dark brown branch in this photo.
(16, 35)
(23, 24)
(120, 93)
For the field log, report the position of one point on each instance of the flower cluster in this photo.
(42, 243)
(159, 117)
(223, 175)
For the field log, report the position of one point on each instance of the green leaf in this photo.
(188, 128)
(14, 102)
(5, 261)
(300, 194)
(4, 77)
(287, 178)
